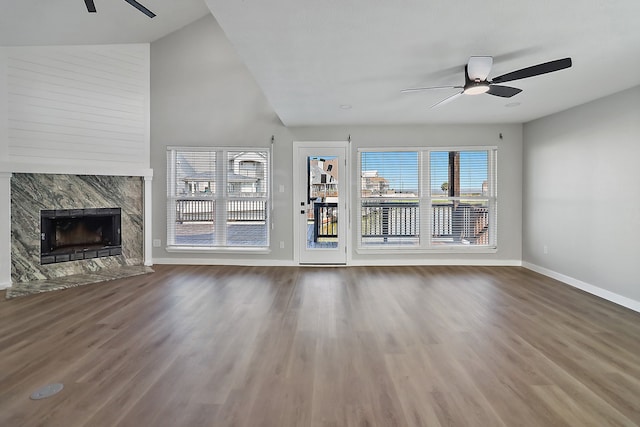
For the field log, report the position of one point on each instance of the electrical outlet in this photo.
(157, 243)
(281, 244)
(545, 249)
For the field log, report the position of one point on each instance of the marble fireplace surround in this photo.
(28, 193)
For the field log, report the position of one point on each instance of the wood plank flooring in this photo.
(355, 346)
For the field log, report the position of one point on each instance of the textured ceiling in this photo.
(312, 57)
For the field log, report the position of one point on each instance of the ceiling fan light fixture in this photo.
(476, 88)
(476, 79)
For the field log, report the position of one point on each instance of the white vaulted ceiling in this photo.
(67, 22)
(312, 57)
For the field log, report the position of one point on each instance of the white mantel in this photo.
(5, 230)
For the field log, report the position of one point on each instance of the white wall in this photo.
(73, 106)
(509, 179)
(581, 199)
(203, 95)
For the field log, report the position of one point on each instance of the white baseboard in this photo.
(213, 261)
(587, 287)
(4, 286)
(358, 263)
(436, 262)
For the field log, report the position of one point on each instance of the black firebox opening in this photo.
(75, 234)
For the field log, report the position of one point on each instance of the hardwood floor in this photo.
(382, 346)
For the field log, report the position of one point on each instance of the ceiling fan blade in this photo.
(141, 8)
(91, 7)
(503, 91)
(536, 70)
(420, 89)
(479, 67)
(447, 100)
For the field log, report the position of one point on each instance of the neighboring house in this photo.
(322, 178)
(246, 175)
(373, 185)
(249, 172)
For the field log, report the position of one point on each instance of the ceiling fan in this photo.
(91, 7)
(477, 70)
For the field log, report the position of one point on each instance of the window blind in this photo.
(445, 194)
(389, 198)
(462, 197)
(218, 198)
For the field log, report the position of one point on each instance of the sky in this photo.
(401, 168)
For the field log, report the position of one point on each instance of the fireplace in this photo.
(76, 234)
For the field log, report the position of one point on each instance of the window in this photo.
(389, 191)
(462, 197)
(218, 198)
(428, 199)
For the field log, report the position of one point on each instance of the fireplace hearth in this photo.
(76, 234)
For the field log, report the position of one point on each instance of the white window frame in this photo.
(220, 197)
(425, 198)
(390, 248)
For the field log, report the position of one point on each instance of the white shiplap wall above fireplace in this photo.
(76, 105)
(73, 110)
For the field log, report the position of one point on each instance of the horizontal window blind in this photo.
(467, 172)
(445, 194)
(389, 198)
(462, 197)
(218, 198)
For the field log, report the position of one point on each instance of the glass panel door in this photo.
(321, 210)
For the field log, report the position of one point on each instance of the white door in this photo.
(320, 200)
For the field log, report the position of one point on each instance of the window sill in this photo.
(219, 250)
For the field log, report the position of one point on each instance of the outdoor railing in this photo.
(203, 210)
(380, 219)
(188, 210)
(390, 219)
(470, 224)
(325, 219)
(463, 223)
(441, 220)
